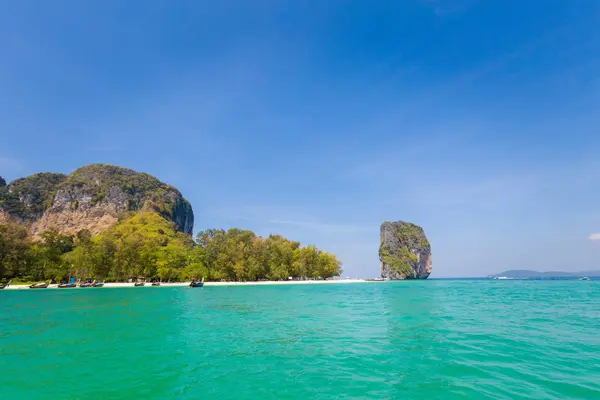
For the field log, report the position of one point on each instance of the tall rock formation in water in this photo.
(93, 197)
(404, 251)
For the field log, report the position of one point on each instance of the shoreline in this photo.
(114, 285)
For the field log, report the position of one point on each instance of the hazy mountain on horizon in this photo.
(525, 273)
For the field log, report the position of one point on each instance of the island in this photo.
(529, 274)
(404, 251)
(114, 224)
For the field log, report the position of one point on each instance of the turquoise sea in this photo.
(437, 339)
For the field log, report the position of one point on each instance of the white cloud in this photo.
(594, 236)
(286, 216)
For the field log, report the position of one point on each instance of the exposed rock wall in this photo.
(404, 251)
(93, 197)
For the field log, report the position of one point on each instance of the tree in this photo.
(103, 257)
(14, 245)
(49, 255)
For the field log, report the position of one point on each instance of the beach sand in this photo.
(206, 284)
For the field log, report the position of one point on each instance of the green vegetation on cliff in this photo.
(400, 263)
(141, 189)
(28, 198)
(110, 188)
(147, 245)
(402, 246)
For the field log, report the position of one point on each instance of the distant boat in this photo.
(501, 277)
(4, 285)
(585, 278)
(195, 283)
(87, 284)
(139, 281)
(42, 285)
(98, 284)
(155, 283)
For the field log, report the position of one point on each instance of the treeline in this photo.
(146, 245)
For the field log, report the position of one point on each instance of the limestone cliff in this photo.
(404, 251)
(93, 197)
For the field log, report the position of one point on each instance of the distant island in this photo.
(113, 224)
(525, 273)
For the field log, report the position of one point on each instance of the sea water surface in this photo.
(392, 340)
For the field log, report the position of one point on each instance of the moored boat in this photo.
(138, 281)
(155, 283)
(87, 284)
(42, 285)
(196, 283)
(70, 284)
(4, 285)
(98, 284)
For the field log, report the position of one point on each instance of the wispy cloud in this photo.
(321, 226)
(594, 236)
(274, 216)
(488, 193)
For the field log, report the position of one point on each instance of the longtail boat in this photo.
(70, 284)
(196, 283)
(87, 284)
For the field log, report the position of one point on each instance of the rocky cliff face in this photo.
(93, 197)
(404, 251)
(26, 199)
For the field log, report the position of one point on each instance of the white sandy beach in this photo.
(206, 284)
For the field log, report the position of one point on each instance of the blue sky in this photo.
(478, 120)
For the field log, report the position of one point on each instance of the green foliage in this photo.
(144, 190)
(400, 252)
(84, 236)
(144, 245)
(241, 255)
(412, 236)
(14, 246)
(28, 198)
(147, 245)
